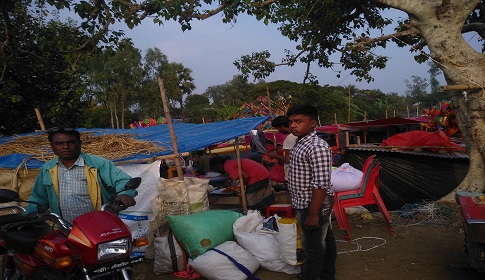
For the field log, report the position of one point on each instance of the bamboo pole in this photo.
(150, 159)
(173, 137)
(269, 104)
(460, 87)
(39, 118)
(241, 182)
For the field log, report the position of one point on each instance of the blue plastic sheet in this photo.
(190, 137)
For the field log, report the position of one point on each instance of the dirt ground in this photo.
(427, 246)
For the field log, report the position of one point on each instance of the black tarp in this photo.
(412, 177)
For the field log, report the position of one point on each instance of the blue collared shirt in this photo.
(73, 190)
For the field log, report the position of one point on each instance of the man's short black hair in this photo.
(65, 130)
(280, 121)
(217, 163)
(306, 110)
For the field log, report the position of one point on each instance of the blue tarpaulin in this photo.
(190, 137)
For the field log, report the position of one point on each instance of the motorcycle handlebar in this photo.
(114, 206)
(28, 219)
(13, 218)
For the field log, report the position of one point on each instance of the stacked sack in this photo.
(345, 178)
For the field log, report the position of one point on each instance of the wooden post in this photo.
(173, 137)
(269, 104)
(241, 181)
(347, 138)
(358, 140)
(39, 118)
(348, 116)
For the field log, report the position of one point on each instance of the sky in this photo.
(211, 47)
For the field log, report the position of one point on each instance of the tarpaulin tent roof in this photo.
(333, 128)
(387, 122)
(190, 137)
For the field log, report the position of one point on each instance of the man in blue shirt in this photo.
(74, 183)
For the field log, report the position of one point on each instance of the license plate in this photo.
(113, 266)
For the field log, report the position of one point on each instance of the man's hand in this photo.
(127, 200)
(312, 221)
(272, 154)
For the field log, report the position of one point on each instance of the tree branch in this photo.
(476, 27)
(265, 3)
(362, 43)
(96, 37)
(292, 60)
(209, 13)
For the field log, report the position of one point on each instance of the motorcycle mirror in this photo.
(133, 183)
(8, 195)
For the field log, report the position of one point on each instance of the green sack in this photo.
(199, 232)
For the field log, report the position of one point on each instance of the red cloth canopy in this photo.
(434, 141)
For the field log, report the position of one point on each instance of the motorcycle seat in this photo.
(23, 240)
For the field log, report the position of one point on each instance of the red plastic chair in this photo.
(366, 194)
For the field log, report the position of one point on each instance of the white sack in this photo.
(162, 263)
(214, 266)
(264, 245)
(139, 216)
(346, 178)
(289, 234)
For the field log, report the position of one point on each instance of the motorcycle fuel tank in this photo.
(92, 231)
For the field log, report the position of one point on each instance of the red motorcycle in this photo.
(43, 246)
(472, 207)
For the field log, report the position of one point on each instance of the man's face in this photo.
(301, 125)
(66, 146)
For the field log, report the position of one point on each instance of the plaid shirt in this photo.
(310, 168)
(73, 189)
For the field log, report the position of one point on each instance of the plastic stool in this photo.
(282, 210)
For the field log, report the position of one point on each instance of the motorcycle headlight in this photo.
(113, 249)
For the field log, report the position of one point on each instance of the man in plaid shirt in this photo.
(311, 193)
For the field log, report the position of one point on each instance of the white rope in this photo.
(359, 245)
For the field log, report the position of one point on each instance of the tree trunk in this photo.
(182, 109)
(116, 113)
(440, 26)
(123, 111)
(112, 121)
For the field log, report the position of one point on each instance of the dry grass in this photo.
(110, 146)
